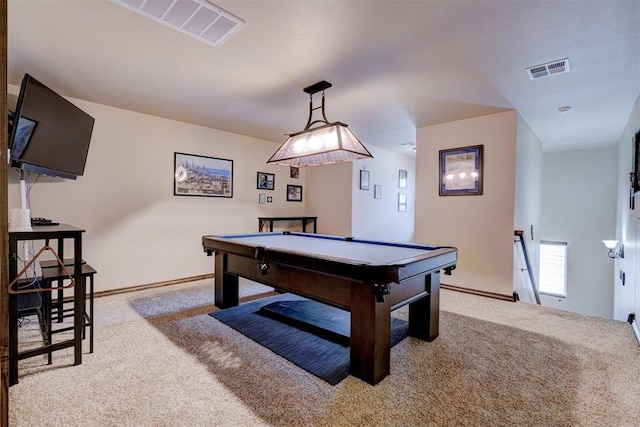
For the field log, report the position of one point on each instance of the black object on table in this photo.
(43, 221)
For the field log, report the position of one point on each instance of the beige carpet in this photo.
(160, 360)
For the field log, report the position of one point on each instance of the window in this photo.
(553, 268)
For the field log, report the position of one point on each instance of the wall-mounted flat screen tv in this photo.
(49, 134)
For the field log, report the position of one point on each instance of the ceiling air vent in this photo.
(545, 70)
(197, 18)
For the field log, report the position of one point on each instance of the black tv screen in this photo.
(49, 134)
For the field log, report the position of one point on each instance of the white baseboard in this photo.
(636, 331)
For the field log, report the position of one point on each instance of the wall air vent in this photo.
(197, 18)
(545, 70)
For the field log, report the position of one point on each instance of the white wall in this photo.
(137, 231)
(627, 297)
(528, 196)
(329, 197)
(379, 219)
(344, 209)
(579, 193)
(481, 227)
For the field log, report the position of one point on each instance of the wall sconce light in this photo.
(321, 145)
(612, 245)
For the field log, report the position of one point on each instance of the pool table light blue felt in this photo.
(330, 247)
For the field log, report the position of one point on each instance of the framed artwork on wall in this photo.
(634, 175)
(402, 178)
(294, 172)
(377, 191)
(635, 181)
(196, 175)
(461, 171)
(294, 193)
(402, 202)
(364, 179)
(266, 181)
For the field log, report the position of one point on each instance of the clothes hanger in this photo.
(30, 263)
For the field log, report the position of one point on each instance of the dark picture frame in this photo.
(364, 179)
(461, 171)
(402, 178)
(294, 172)
(635, 177)
(402, 202)
(196, 175)
(265, 181)
(294, 193)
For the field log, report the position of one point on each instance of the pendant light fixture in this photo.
(324, 144)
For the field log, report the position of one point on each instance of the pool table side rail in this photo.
(434, 260)
(329, 237)
(212, 244)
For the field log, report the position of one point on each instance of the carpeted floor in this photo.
(161, 360)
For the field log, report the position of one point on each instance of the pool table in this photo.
(369, 279)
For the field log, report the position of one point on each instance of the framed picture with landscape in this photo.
(196, 175)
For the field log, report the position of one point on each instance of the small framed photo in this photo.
(294, 193)
(262, 198)
(461, 171)
(402, 202)
(269, 199)
(196, 175)
(364, 179)
(635, 177)
(402, 178)
(294, 172)
(266, 181)
(377, 191)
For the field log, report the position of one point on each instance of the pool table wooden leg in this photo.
(370, 335)
(424, 314)
(226, 285)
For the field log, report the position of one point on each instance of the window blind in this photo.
(553, 268)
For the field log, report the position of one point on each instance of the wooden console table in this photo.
(305, 220)
(46, 232)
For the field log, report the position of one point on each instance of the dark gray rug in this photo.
(324, 353)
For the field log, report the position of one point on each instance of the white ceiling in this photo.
(395, 65)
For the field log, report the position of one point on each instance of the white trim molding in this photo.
(634, 325)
